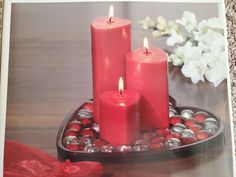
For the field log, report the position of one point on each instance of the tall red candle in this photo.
(147, 72)
(120, 118)
(111, 40)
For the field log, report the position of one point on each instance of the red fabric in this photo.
(24, 161)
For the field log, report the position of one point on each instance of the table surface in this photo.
(50, 75)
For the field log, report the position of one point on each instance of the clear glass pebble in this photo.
(107, 148)
(96, 127)
(172, 143)
(70, 140)
(187, 114)
(83, 113)
(91, 148)
(178, 128)
(140, 147)
(124, 148)
(187, 133)
(211, 128)
(172, 112)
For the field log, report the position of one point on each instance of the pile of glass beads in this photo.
(186, 127)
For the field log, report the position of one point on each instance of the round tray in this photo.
(147, 156)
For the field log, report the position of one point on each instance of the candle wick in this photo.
(121, 92)
(110, 20)
(147, 51)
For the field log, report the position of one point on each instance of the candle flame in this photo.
(121, 85)
(111, 12)
(145, 44)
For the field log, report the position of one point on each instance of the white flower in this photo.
(215, 23)
(195, 70)
(188, 20)
(161, 23)
(147, 23)
(208, 31)
(157, 33)
(175, 38)
(217, 73)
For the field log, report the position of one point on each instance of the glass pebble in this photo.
(202, 134)
(86, 122)
(89, 106)
(107, 148)
(211, 128)
(91, 148)
(86, 139)
(140, 147)
(156, 146)
(189, 140)
(70, 140)
(195, 128)
(73, 147)
(187, 133)
(96, 127)
(76, 125)
(98, 143)
(175, 119)
(178, 128)
(88, 131)
(124, 148)
(172, 143)
(148, 135)
(83, 113)
(200, 116)
(187, 114)
(172, 112)
(210, 121)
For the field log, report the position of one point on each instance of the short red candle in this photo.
(111, 40)
(119, 117)
(147, 72)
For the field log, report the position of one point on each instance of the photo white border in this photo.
(5, 60)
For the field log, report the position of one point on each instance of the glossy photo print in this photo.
(116, 89)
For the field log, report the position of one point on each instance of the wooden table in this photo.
(50, 75)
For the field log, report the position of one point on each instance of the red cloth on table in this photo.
(24, 161)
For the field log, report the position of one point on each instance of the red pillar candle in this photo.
(147, 72)
(111, 40)
(119, 116)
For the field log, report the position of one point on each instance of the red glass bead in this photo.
(173, 135)
(162, 131)
(87, 131)
(98, 143)
(200, 117)
(157, 139)
(73, 147)
(202, 134)
(86, 122)
(175, 119)
(89, 106)
(189, 123)
(189, 140)
(195, 128)
(71, 132)
(75, 125)
(156, 146)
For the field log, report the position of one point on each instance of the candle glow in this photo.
(121, 85)
(111, 13)
(146, 45)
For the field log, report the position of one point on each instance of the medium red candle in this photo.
(111, 40)
(119, 116)
(147, 72)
